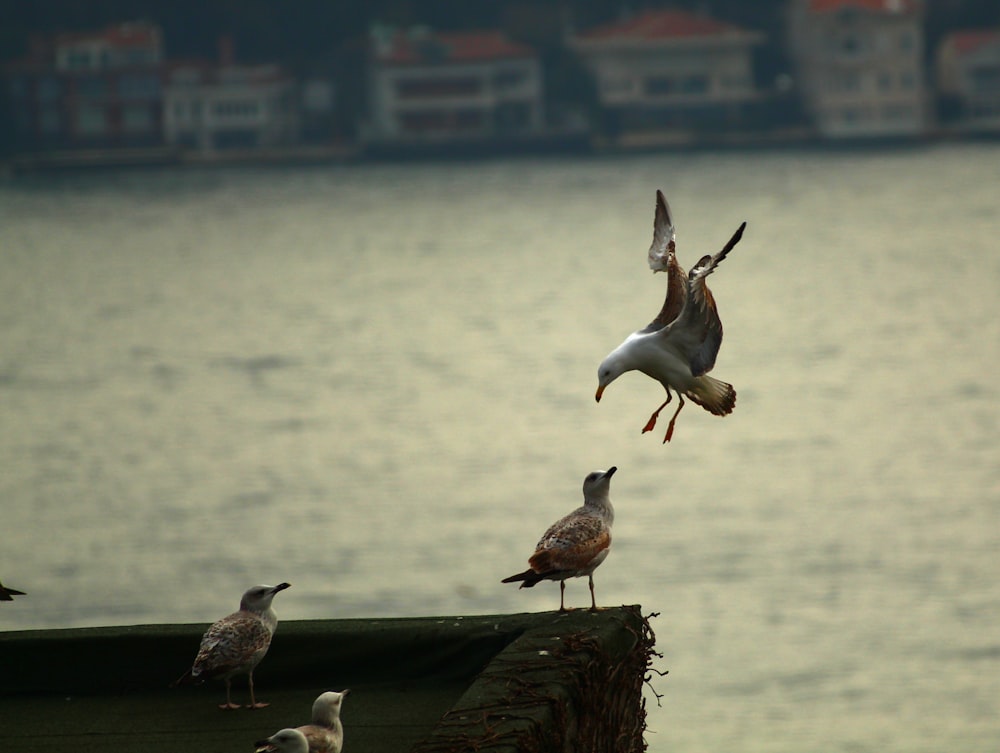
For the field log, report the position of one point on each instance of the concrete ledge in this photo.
(499, 682)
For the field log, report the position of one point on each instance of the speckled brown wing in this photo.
(571, 544)
(232, 644)
(321, 739)
(702, 308)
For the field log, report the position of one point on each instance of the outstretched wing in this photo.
(697, 330)
(663, 258)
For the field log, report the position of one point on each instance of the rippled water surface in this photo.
(376, 382)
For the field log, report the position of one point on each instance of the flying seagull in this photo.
(235, 644)
(678, 348)
(575, 545)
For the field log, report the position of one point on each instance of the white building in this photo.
(860, 66)
(209, 107)
(968, 72)
(427, 87)
(670, 70)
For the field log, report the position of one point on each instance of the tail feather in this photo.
(713, 395)
(529, 578)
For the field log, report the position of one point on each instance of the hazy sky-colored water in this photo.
(376, 382)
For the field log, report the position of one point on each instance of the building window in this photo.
(91, 87)
(898, 113)
(985, 79)
(512, 116)
(91, 120)
(850, 45)
(137, 119)
(139, 87)
(49, 122)
(236, 110)
(616, 85)
(18, 87)
(49, 89)
(78, 60)
(452, 86)
(658, 86)
(848, 81)
(694, 84)
(509, 79)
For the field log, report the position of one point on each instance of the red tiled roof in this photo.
(965, 42)
(659, 24)
(452, 47)
(878, 6)
(122, 35)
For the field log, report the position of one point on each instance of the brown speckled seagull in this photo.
(575, 545)
(235, 644)
(325, 734)
(678, 348)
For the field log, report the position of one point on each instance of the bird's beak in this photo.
(600, 391)
(281, 587)
(610, 472)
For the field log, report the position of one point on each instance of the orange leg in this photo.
(670, 426)
(593, 601)
(652, 419)
(253, 701)
(229, 701)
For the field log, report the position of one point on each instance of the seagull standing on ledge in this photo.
(8, 594)
(678, 348)
(284, 741)
(575, 545)
(235, 644)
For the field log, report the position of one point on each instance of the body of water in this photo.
(377, 382)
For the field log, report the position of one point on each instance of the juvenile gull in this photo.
(8, 594)
(678, 348)
(284, 741)
(325, 734)
(235, 644)
(575, 545)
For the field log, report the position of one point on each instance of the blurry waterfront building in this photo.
(669, 74)
(427, 88)
(89, 89)
(222, 105)
(860, 66)
(968, 78)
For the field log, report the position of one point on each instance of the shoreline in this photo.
(83, 160)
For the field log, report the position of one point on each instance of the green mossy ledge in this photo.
(523, 682)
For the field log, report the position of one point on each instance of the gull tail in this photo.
(530, 578)
(713, 395)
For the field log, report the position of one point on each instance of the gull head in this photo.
(283, 741)
(598, 480)
(610, 369)
(259, 598)
(326, 708)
